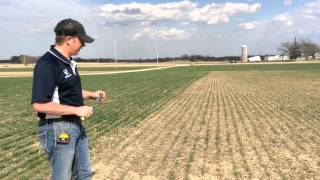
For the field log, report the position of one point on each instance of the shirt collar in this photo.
(57, 54)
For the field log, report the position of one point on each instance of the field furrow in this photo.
(190, 123)
(219, 127)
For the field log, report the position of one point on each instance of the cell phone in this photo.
(99, 98)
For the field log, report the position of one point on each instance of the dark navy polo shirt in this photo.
(56, 78)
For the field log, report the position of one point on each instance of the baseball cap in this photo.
(71, 27)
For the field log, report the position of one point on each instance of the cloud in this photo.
(281, 20)
(311, 10)
(301, 22)
(182, 11)
(169, 34)
(251, 25)
(39, 29)
(287, 2)
(27, 26)
(284, 19)
(40, 16)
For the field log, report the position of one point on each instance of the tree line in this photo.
(299, 48)
(23, 59)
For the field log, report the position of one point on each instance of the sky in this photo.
(171, 27)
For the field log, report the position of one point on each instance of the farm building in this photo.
(276, 58)
(255, 59)
(301, 58)
(317, 55)
(244, 53)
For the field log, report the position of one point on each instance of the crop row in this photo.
(131, 97)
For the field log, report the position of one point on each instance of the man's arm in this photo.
(94, 95)
(88, 94)
(59, 109)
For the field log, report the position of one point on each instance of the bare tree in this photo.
(303, 47)
(290, 49)
(308, 48)
(285, 48)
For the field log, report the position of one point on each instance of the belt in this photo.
(71, 119)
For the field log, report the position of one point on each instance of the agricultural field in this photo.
(27, 71)
(30, 69)
(197, 122)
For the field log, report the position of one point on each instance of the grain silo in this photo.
(244, 53)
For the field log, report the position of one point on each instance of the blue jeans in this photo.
(71, 159)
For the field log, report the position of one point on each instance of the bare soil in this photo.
(82, 73)
(227, 125)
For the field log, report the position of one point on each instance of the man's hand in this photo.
(99, 96)
(84, 111)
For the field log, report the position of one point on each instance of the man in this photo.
(57, 96)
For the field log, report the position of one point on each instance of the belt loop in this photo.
(55, 134)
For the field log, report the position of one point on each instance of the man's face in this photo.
(75, 44)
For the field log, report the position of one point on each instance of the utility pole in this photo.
(157, 57)
(24, 60)
(115, 54)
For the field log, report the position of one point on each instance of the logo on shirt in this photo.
(67, 74)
